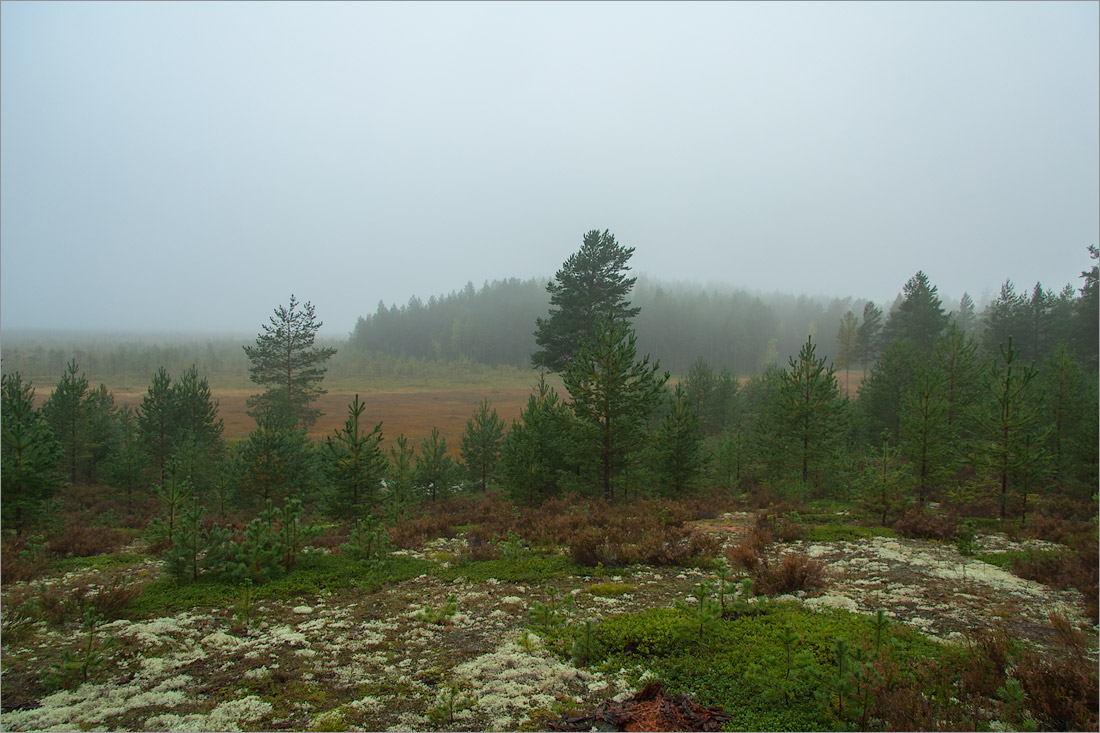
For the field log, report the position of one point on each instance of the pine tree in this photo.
(353, 458)
(275, 461)
(435, 470)
(66, 410)
(481, 444)
(196, 429)
(1087, 322)
(880, 396)
(1007, 451)
(1063, 386)
(965, 317)
(285, 360)
(127, 466)
(807, 414)
(156, 425)
(613, 395)
(590, 286)
(534, 454)
(925, 435)
(847, 345)
(30, 455)
(399, 475)
(868, 335)
(919, 317)
(679, 447)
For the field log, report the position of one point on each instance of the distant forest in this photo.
(679, 323)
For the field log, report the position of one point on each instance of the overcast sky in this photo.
(187, 166)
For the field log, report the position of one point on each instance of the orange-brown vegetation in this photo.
(412, 412)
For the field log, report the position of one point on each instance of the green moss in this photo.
(527, 568)
(845, 533)
(1006, 559)
(100, 562)
(609, 589)
(741, 663)
(313, 574)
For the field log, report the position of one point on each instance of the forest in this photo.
(778, 512)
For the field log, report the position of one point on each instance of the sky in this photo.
(187, 166)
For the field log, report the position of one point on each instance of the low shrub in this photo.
(917, 524)
(24, 556)
(81, 540)
(1062, 694)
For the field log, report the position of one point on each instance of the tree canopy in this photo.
(590, 286)
(285, 360)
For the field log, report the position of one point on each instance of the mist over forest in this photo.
(492, 325)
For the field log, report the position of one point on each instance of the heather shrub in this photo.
(917, 524)
(82, 540)
(1061, 694)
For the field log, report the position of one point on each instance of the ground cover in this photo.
(434, 638)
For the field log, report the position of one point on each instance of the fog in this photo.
(188, 166)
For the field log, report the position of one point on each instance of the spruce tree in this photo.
(30, 455)
(590, 287)
(613, 395)
(481, 444)
(285, 360)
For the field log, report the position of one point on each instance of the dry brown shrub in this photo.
(82, 540)
(984, 669)
(917, 524)
(21, 561)
(1063, 693)
(795, 572)
(479, 543)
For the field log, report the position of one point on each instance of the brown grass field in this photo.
(412, 411)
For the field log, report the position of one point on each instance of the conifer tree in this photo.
(481, 444)
(679, 447)
(66, 410)
(965, 317)
(919, 316)
(1064, 390)
(353, 458)
(276, 460)
(399, 475)
(613, 395)
(534, 454)
(155, 419)
(195, 427)
(1009, 420)
(435, 470)
(847, 344)
(868, 335)
(285, 360)
(807, 416)
(925, 436)
(30, 455)
(590, 287)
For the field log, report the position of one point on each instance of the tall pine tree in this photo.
(590, 287)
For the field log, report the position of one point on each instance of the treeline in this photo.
(495, 325)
